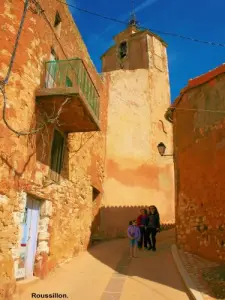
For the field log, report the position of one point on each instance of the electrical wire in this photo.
(26, 4)
(197, 110)
(4, 82)
(157, 31)
(18, 133)
(12, 61)
(6, 79)
(143, 28)
(93, 13)
(42, 12)
(27, 77)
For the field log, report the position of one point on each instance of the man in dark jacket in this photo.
(153, 227)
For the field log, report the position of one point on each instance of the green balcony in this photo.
(69, 80)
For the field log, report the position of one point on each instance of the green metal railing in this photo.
(69, 73)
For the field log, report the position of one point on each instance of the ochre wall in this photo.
(200, 152)
(69, 211)
(137, 44)
(135, 173)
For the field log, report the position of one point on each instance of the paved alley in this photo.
(106, 273)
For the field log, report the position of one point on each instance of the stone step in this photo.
(22, 285)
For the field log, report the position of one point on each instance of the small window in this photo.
(57, 19)
(57, 155)
(95, 193)
(123, 50)
(53, 55)
(57, 23)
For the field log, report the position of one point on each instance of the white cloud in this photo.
(122, 17)
(144, 5)
(75, 12)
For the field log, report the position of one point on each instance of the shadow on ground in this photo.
(149, 268)
(111, 222)
(105, 272)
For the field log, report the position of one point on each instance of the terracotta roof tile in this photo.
(192, 83)
(199, 80)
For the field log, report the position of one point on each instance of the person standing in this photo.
(153, 227)
(133, 233)
(142, 222)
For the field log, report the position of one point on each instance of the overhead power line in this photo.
(94, 13)
(5, 81)
(197, 110)
(12, 61)
(50, 119)
(144, 28)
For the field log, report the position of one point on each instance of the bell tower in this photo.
(135, 49)
(136, 69)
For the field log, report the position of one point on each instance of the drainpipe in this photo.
(169, 116)
(176, 173)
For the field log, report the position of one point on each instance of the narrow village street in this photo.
(106, 273)
(112, 136)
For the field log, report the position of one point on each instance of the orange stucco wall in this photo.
(135, 174)
(199, 143)
(24, 160)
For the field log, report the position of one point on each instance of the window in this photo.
(57, 155)
(53, 55)
(57, 19)
(123, 50)
(57, 23)
(95, 193)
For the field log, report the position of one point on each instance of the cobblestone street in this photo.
(197, 269)
(106, 273)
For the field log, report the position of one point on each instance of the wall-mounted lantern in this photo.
(162, 148)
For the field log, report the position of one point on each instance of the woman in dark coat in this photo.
(153, 227)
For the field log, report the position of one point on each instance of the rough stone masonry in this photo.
(199, 154)
(69, 213)
(67, 209)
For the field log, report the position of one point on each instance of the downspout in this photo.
(169, 116)
(106, 80)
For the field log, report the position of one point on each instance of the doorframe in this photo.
(43, 236)
(33, 209)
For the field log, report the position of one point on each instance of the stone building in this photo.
(78, 152)
(52, 151)
(138, 96)
(198, 118)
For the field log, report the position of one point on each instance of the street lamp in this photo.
(162, 148)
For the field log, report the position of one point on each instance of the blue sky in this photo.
(201, 19)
